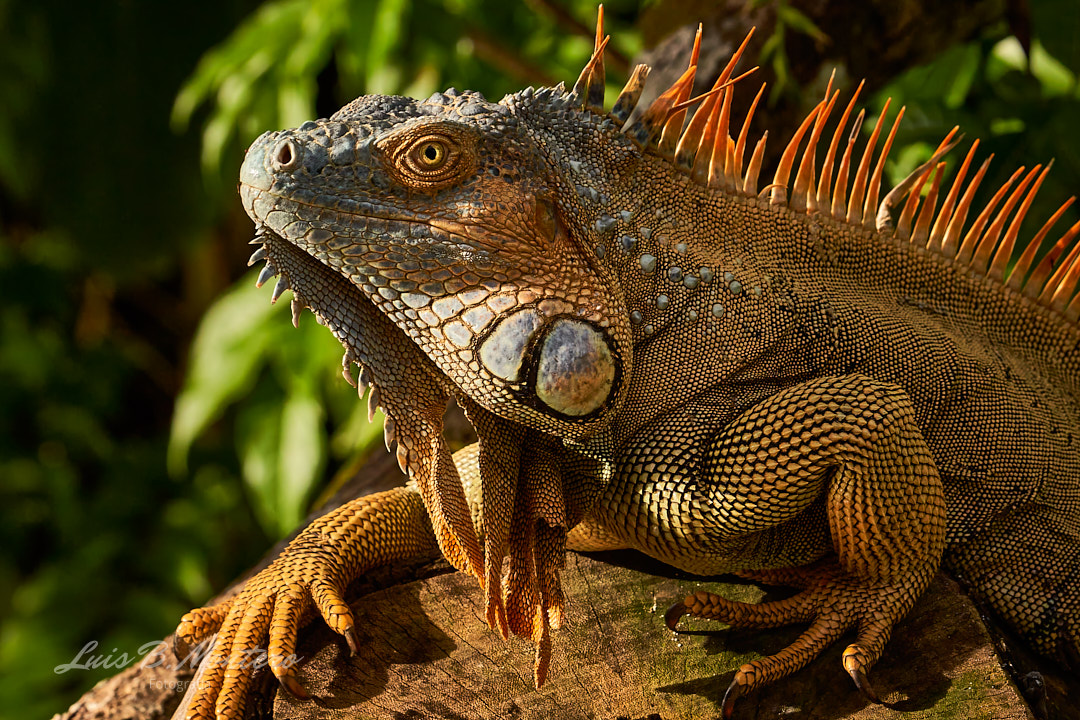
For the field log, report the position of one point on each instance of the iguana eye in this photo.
(429, 158)
(431, 154)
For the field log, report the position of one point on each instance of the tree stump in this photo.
(426, 652)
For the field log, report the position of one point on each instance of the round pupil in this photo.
(431, 153)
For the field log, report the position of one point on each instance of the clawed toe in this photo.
(674, 614)
(294, 687)
(856, 668)
(352, 639)
(863, 683)
(833, 603)
(734, 692)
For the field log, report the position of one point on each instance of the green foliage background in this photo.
(160, 422)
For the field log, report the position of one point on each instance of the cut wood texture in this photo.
(427, 653)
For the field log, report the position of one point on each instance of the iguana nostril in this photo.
(286, 157)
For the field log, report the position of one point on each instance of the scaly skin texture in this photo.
(655, 357)
(306, 578)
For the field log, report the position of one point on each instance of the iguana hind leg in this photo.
(852, 443)
(832, 603)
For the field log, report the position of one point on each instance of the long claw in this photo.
(674, 614)
(862, 682)
(734, 692)
(352, 639)
(294, 687)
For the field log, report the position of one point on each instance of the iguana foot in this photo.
(832, 601)
(310, 575)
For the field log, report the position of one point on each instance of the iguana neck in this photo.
(633, 216)
(688, 262)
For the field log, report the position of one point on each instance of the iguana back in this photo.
(993, 373)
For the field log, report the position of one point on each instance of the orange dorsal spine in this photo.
(704, 149)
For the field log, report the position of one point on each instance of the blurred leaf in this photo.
(965, 62)
(774, 54)
(383, 75)
(355, 432)
(302, 454)
(281, 435)
(277, 51)
(227, 353)
(1057, 26)
(283, 452)
(1055, 78)
(371, 46)
(24, 69)
(798, 22)
(296, 98)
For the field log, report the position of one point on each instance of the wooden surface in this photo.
(427, 653)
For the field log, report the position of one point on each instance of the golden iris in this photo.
(431, 154)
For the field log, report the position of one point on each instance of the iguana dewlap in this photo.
(811, 385)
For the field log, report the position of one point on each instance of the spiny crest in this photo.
(704, 149)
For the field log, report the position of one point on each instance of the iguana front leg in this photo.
(834, 468)
(309, 576)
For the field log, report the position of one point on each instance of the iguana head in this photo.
(443, 214)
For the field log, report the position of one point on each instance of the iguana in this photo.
(658, 351)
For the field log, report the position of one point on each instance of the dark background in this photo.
(161, 424)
